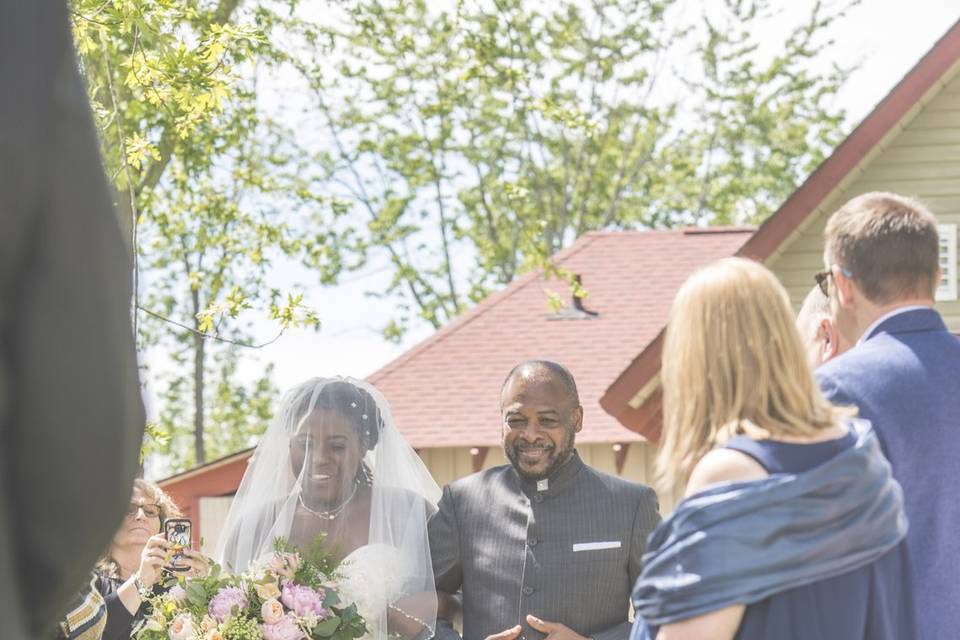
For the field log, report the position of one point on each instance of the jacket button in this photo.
(537, 497)
(527, 591)
(533, 542)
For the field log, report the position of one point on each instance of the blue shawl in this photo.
(739, 543)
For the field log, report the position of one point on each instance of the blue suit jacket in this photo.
(905, 379)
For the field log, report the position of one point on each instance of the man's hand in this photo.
(554, 630)
(509, 634)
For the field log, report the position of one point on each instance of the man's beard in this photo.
(555, 457)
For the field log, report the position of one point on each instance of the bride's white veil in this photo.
(393, 570)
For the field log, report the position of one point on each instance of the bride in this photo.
(333, 463)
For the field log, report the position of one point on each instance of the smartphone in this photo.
(178, 532)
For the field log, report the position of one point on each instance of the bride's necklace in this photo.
(334, 513)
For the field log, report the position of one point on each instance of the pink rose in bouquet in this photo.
(302, 600)
(285, 629)
(285, 564)
(271, 611)
(226, 602)
(182, 628)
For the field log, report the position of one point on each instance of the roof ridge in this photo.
(472, 314)
(684, 230)
(696, 231)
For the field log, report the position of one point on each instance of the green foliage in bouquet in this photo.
(318, 563)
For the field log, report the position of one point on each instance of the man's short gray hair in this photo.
(815, 308)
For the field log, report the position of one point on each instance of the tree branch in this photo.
(209, 336)
(155, 170)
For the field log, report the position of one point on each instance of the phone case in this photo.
(178, 531)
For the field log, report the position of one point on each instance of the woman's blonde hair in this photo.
(152, 492)
(733, 360)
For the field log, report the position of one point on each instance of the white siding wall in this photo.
(213, 515)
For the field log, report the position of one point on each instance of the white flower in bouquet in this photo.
(177, 594)
(207, 624)
(156, 623)
(308, 621)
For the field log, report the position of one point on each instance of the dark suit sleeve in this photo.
(645, 520)
(71, 418)
(843, 395)
(444, 531)
(832, 390)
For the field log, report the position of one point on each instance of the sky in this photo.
(887, 37)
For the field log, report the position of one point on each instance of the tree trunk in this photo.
(198, 410)
(199, 346)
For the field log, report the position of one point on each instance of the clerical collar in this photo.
(556, 481)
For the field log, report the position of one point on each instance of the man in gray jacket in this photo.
(545, 545)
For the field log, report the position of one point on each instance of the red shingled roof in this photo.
(444, 392)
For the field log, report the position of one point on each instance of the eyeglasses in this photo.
(821, 280)
(149, 510)
(822, 277)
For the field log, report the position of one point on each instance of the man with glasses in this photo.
(820, 337)
(903, 374)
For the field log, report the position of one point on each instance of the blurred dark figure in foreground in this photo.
(71, 417)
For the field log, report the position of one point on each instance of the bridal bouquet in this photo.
(288, 597)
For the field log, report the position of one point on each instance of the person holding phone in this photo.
(134, 565)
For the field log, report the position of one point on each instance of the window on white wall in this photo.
(948, 262)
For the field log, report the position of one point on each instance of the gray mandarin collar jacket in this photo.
(570, 553)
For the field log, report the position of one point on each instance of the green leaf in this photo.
(196, 594)
(326, 627)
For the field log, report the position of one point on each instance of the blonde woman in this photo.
(133, 566)
(792, 525)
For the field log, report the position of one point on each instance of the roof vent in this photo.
(577, 311)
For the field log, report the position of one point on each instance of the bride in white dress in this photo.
(333, 463)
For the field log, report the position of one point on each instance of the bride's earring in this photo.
(363, 478)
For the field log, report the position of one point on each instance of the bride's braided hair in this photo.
(351, 401)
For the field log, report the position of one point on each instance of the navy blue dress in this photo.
(866, 603)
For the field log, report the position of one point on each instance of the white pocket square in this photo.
(595, 546)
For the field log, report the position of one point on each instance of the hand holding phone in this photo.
(179, 533)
